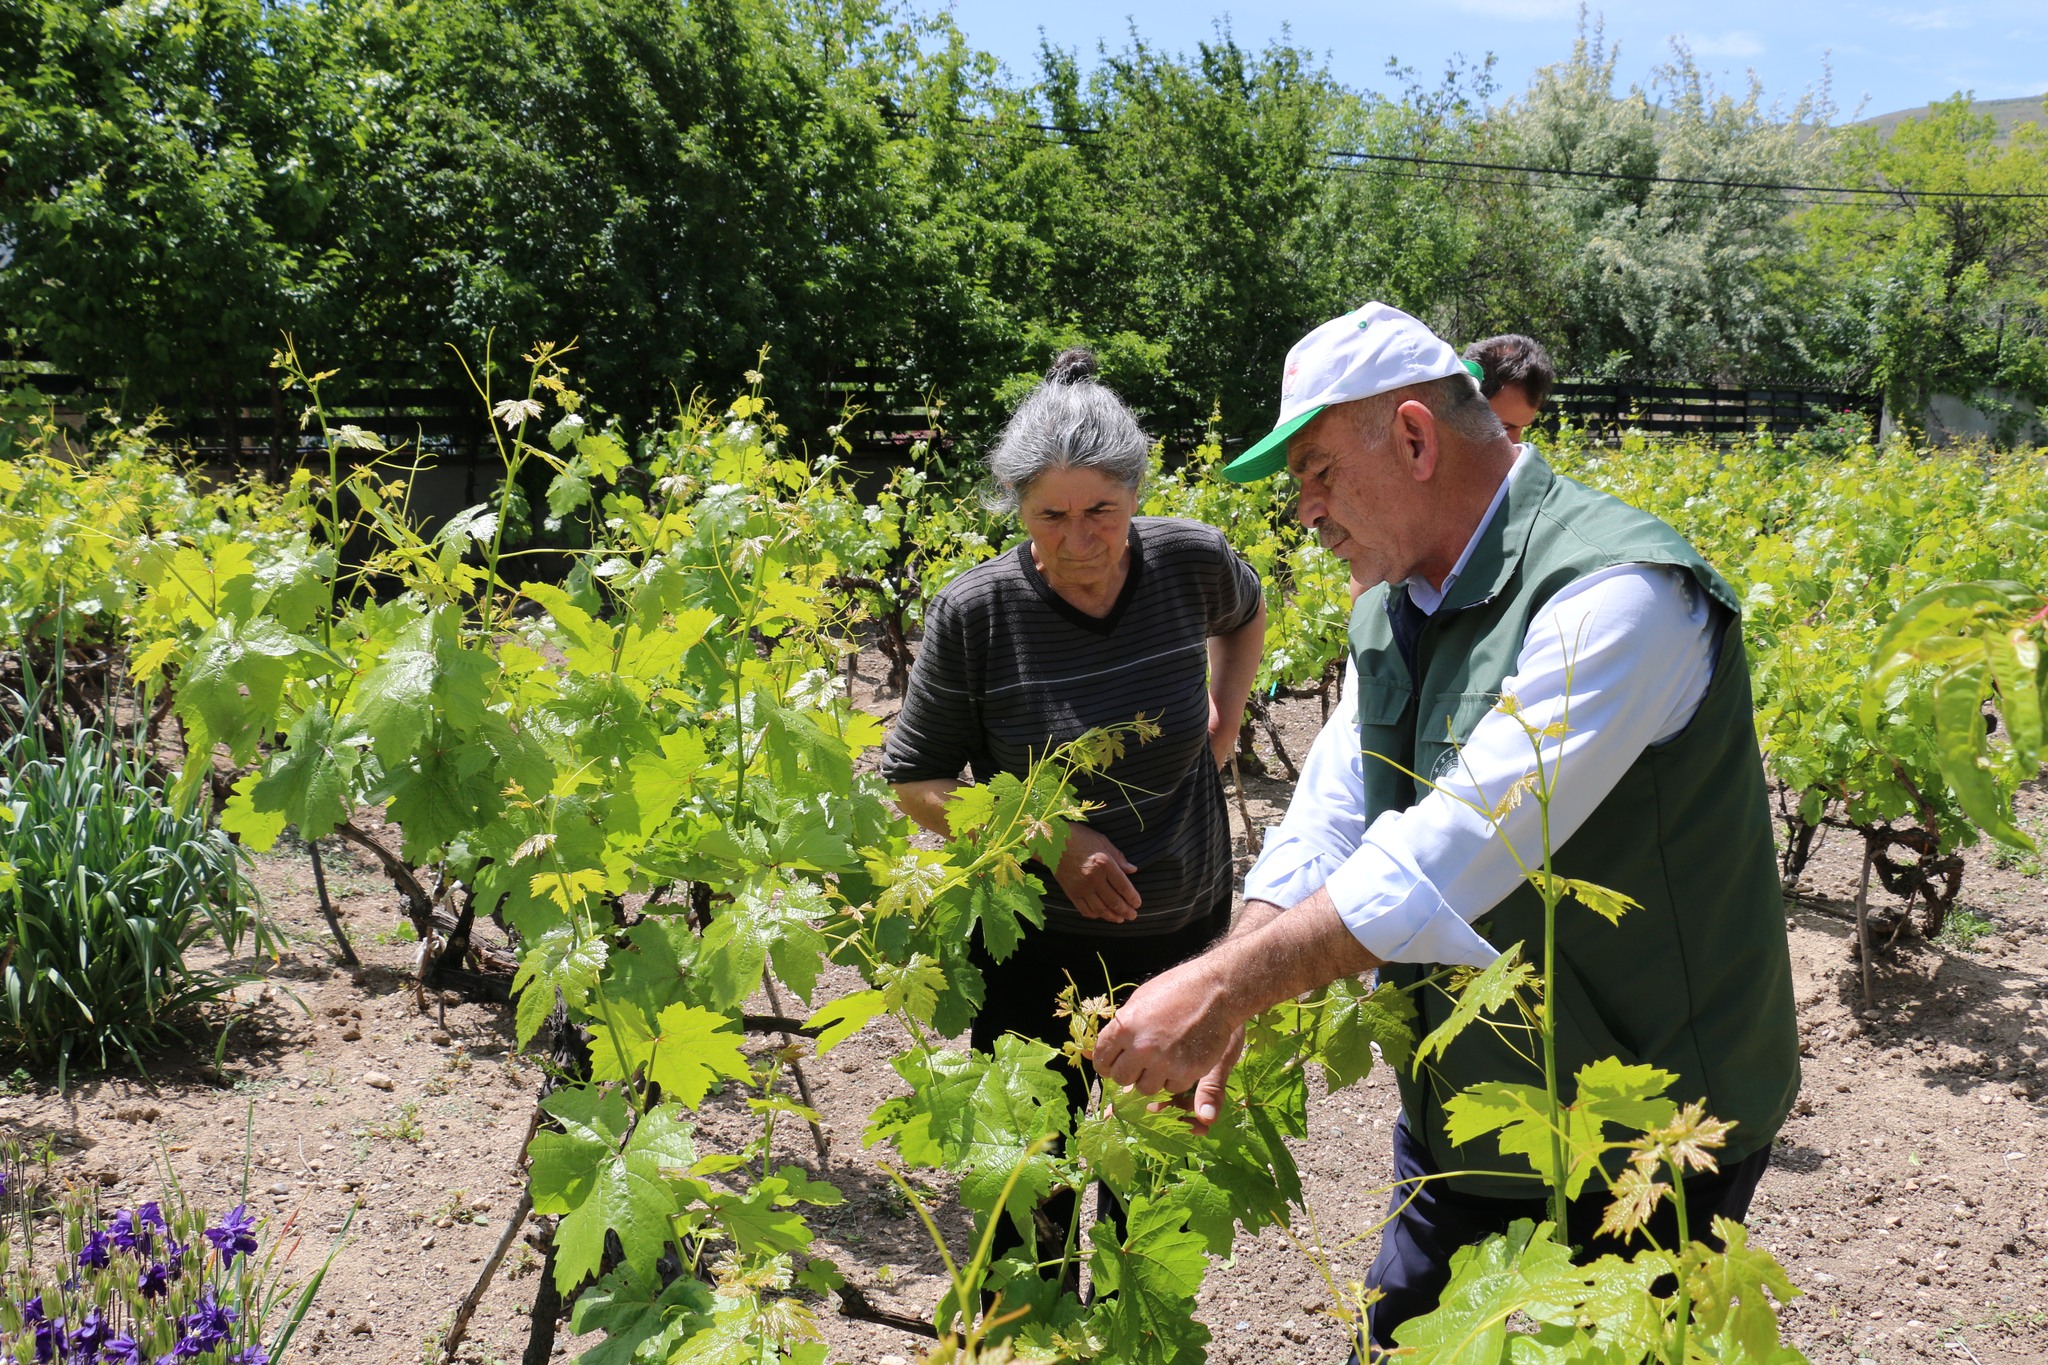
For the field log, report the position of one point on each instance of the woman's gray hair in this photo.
(1070, 421)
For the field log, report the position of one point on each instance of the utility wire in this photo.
(1339, 156)
(1891, 191)
(1423, 176)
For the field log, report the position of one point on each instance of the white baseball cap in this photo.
(1375, 350)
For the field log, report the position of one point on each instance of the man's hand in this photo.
(1205, 1103)
(1173, 1033)
(1185, 1027)
(1096, 877)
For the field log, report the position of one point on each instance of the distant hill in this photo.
(2009, 113)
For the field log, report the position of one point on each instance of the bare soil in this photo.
(1908, 1196)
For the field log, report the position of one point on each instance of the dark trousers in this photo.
(1023, 995)
(1431, 1221)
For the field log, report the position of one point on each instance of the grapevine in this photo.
(650, 774)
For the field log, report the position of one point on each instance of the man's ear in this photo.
(1415, 436)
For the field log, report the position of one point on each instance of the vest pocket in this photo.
(1381, 703)
(1446, 724)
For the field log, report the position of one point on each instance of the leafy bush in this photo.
(103, 888)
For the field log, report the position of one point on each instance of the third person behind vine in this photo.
(1515, 375)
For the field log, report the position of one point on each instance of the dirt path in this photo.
(1909, 1195)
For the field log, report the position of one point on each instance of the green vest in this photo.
(1699, 980)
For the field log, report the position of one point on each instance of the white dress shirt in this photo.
(1635, 641)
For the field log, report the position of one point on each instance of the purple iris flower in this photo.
(32, 1311)
(175, 1251)
(95, 1251)
(209, 1321)
(121, 1349)
(90, 1335)
(250, 1355)
(155, 1281)
(49, 1338)
(235, 1234)
(151, 1215)
(3, 1182)
(130, 1235)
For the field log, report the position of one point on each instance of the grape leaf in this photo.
(840, 1019)
(693, 1049)
(1609, 905)
(582, 1174)
(978, 1114)
(999, 905)
(759, 1220)
(1523, 1271)
(1488, 990)
(1146, 1281)
(229, 691)
(562, 959)
(911, 988)
(771, 919)
(685, 1050)
(427, 676)
(632, 1311)
(1353, 1020)
(259, 829)
(1123, 1130)
(1732, 1292)
(311, 782)
(661, 778)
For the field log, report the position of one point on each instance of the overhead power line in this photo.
(1339, 158)
(1698, 181)
(1424, 175)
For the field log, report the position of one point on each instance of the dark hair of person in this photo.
(1513, 359)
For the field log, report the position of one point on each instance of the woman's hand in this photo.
(1096, 877)
(1222, 733)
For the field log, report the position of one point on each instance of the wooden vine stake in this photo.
(1863, 925)
(1244, 811)
(458, 1329)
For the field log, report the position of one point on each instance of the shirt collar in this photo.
(1426, 598)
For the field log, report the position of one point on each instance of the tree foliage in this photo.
(859, 190)
(1928, 292)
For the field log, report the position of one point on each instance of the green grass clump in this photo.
(103, 889)
(1963, 927)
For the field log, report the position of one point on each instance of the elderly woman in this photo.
(1100, 616)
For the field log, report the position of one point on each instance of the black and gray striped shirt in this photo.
(1009, 670)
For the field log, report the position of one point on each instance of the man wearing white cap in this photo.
(1488, 574)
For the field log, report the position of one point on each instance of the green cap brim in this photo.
(1269, 456)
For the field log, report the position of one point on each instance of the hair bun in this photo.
(1071, 366)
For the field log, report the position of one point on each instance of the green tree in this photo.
(1931, 293)
(1441, 242)
(167, 180)
(1677, 279)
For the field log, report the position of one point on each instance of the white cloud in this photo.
(1924, 19)
(1734, 43)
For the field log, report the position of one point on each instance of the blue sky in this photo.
(1883, 56)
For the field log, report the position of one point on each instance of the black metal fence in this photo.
(453, 427)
